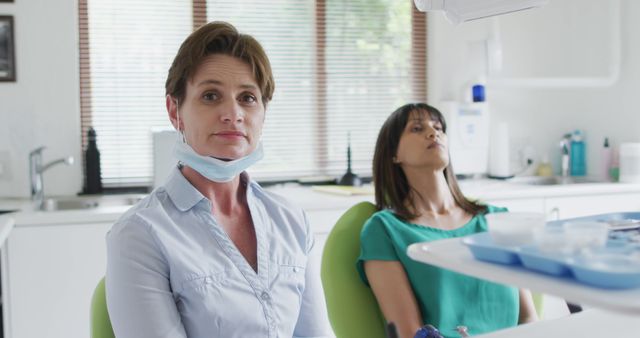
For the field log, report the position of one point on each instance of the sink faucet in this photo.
(565, 144)
(36, 169)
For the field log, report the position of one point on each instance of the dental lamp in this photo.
(458, 11)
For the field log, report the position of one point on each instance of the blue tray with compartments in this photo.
(618, 221)
(617, 266)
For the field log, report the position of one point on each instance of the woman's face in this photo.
(423, 144)
(222, 114)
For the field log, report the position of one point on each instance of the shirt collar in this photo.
(184, 195)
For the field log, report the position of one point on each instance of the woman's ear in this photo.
(172, 110)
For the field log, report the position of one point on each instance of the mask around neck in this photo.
(212, 168)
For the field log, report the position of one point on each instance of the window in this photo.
(341, 67)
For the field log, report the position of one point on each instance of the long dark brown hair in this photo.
(392, 188)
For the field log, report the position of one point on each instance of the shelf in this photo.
(451, 254)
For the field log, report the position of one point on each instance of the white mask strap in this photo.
(178, 117)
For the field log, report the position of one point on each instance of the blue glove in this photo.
(428, 331)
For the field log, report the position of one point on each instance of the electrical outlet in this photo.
(5, 166)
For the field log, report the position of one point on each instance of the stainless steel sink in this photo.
(83, 203)
(552, 180)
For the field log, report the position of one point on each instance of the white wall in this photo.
(541, 116)
(43, 106)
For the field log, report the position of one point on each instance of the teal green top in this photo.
(446, 299)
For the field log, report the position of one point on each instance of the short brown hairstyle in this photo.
(392, 188)
(219, 37)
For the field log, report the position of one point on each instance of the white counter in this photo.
(316, 203)
(487, 189)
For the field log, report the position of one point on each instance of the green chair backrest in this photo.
(352, 307)
(100, 322)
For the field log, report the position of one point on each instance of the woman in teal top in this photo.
(419, 200)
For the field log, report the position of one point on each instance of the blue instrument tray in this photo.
(617, 266)
(484, 249)
(533, 259)
(617, 220)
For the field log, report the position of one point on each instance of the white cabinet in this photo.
(585, 205)
(49, 274)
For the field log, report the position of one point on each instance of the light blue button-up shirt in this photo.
(172, 271)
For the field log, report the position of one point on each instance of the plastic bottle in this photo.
(614, 171)
(544, 168)
(577, 153)
(93, 178)
(606, 159)
(477, 93)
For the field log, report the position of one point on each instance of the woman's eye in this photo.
(210, 96)
(249, 98)
(416, 128)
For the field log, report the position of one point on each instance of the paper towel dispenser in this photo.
(163, 160)
(458, 11)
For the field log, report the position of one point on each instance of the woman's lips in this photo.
(435, 145)
(232, 134)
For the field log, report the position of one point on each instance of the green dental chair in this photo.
(352, 307)
(100, 322)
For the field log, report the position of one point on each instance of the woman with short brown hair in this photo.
(210, 253)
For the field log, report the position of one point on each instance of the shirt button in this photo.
(265, 296)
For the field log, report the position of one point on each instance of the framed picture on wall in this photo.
(7, 52)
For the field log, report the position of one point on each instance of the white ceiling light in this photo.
(458, 11)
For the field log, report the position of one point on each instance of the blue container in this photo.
(533, 259)
(578, 161)
(613, 272)
(483, 248)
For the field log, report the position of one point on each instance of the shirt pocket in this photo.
(291, 274)
(291, 267)
(205, 284)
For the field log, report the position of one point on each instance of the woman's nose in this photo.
(232, 112)
(432, 133)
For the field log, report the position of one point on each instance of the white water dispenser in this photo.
(468, 132)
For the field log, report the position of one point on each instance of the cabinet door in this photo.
(50, 273)
(577, 206)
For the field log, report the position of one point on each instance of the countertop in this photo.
(311, 201)
(489, 189)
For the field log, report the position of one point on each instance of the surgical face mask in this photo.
(212, 168)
